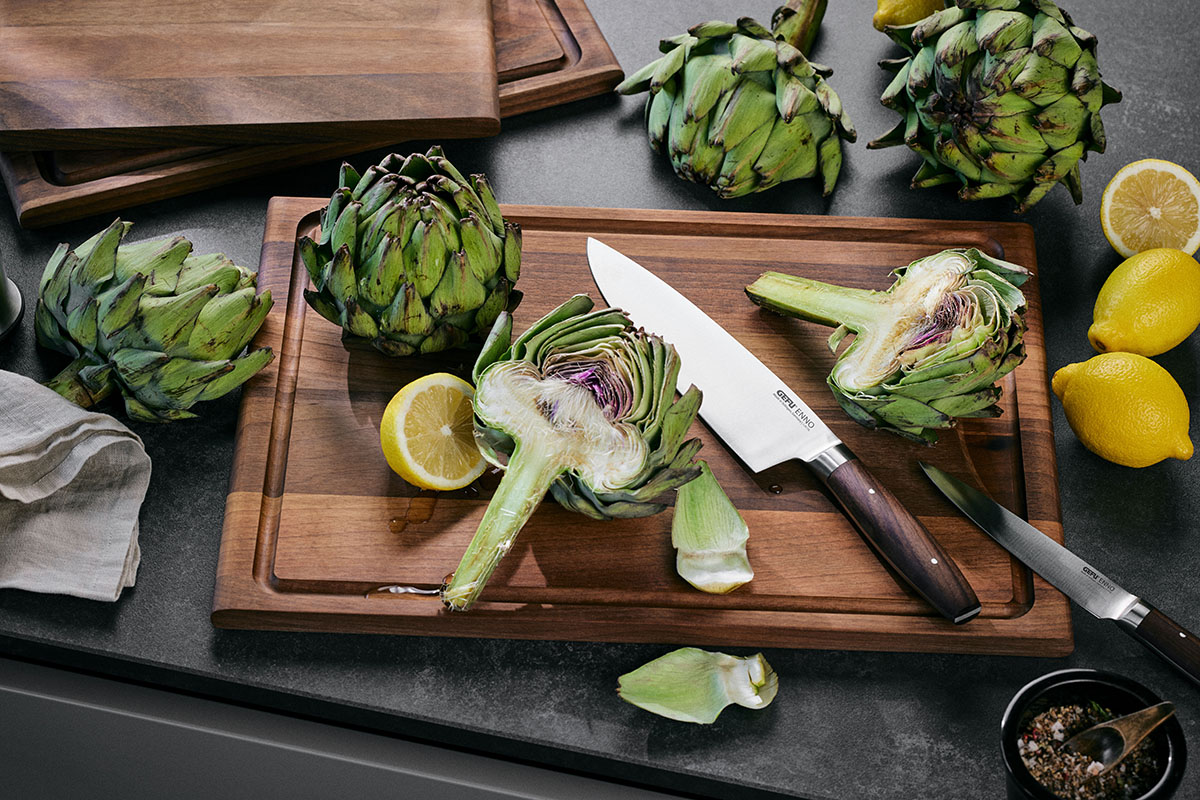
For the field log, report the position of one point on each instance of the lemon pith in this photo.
(1125, 408)
(1151, 203)
(427, 433)
(1148, 305)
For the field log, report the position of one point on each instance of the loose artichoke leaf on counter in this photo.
(581, 405)
(151, 320)
(693, 685)
(927, 350)
(709, 536)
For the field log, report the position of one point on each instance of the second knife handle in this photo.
(900, 539)
(1164, 636)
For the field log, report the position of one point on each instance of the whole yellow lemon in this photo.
(1149, 304)
(1125, 408)
(904, 12)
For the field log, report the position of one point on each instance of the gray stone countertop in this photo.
(846, 724)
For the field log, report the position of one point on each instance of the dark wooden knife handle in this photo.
(901, 540)
(1164, 636)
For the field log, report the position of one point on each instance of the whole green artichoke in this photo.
(413, 256)
(151, 320)
(927, 350)
(740, 109)
(581, 405)
(1003, 96)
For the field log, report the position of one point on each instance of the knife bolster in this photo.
(1134, 616)
(830, 459)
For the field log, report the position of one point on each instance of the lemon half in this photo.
(427, 433)
(1151, 203)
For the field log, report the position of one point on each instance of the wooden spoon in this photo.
(1109, 742)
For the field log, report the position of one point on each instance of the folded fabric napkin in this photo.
(71, 485)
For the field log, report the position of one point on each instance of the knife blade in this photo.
(1100, 596)
(766, 423)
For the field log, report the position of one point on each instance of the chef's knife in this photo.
(1073, 576)
(766, 423)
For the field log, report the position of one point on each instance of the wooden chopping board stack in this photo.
(111, 104)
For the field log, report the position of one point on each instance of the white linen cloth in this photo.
(71, 485)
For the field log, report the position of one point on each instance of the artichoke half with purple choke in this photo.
(926, 351)
(582, 405)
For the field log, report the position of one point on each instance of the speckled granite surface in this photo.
(859, 726)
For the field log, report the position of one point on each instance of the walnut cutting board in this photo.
(315, 520)
(548, 52)
(139, 73)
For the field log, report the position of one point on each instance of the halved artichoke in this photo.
(927, 350)
(581, 405)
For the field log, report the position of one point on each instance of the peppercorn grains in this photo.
(1073, 776)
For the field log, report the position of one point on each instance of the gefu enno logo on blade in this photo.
(795, 409)
(1100, 580)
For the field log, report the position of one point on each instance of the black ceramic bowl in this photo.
(1122, 695)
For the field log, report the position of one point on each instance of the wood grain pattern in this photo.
(134, 72)
(902, 542)
(315, 521)
(57, 186)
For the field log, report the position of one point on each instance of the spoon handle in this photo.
(1165, 637)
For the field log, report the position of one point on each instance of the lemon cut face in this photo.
(1151, 203)
(427, 433)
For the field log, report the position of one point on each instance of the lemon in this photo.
(1149, 304)
(904, 12)
(427, 433)
(1151, 203)
(1125, 408)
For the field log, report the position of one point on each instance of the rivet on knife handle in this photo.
(1164, 636)
(897, 535)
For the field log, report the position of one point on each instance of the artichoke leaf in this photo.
(693, 685)
(709, 536)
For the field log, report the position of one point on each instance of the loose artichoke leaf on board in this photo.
(709, 536)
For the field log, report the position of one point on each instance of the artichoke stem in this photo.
(525, 483)
(69, 385)
(800, 29)
(815, 301)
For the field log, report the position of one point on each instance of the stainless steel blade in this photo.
(1069, 573)
(754, 412)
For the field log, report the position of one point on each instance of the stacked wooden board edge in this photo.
(152, 73)
(548, 52)
(316, 525)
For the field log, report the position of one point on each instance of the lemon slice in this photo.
(1151, 203)
(428, 436)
